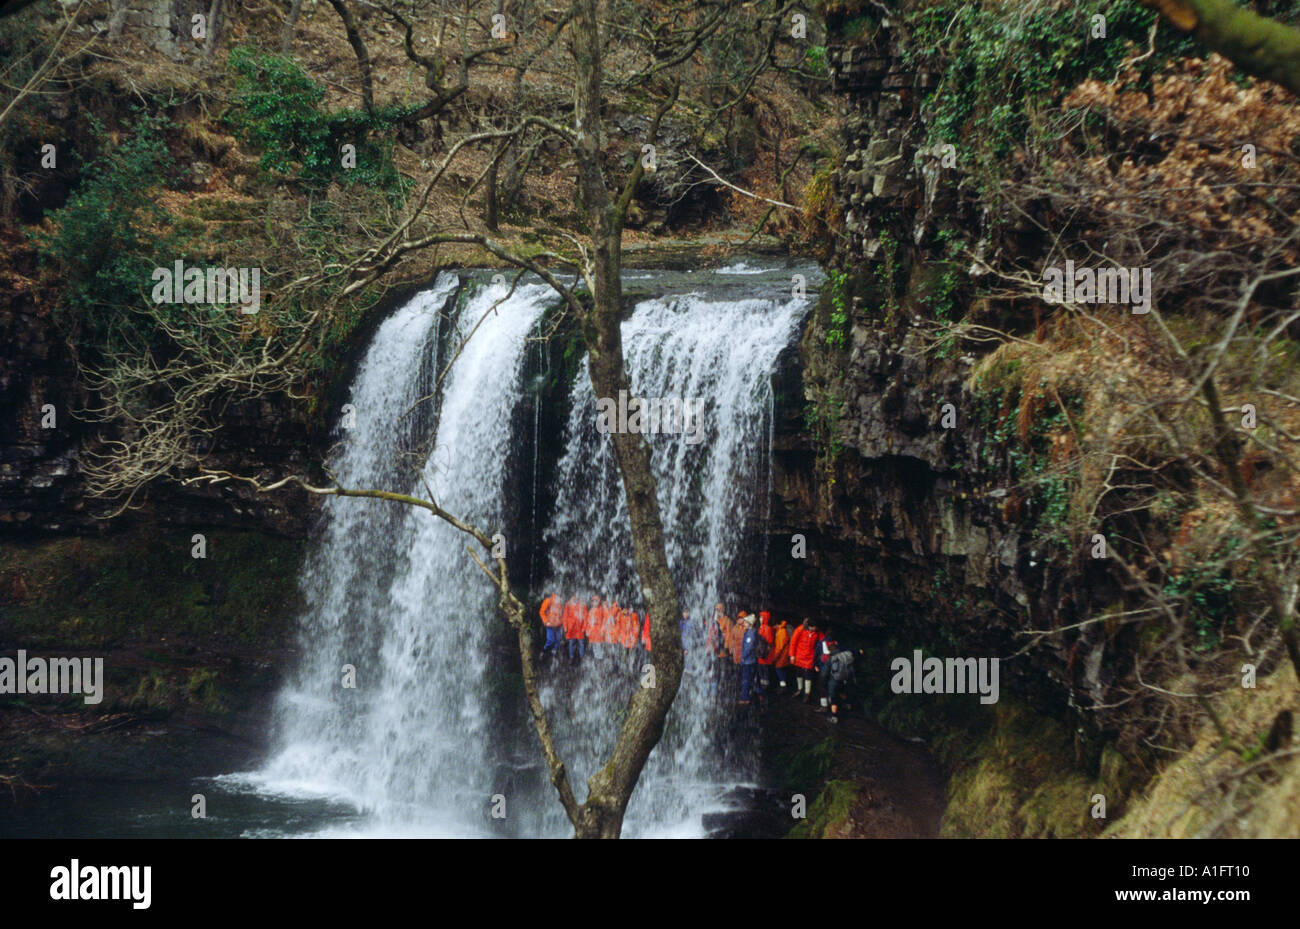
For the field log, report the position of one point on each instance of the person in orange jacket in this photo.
(615, 624)
(596, 627)
(717, 634)
(736, 637)
(781, 653)
(575, 618)
(768, 635)
(550, 613)
(719, 630)
(645, 632)
(611, 633)
(803, 649)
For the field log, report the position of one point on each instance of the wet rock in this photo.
(759, 813)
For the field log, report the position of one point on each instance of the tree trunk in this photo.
(490, 199)
(492, 219)
(359, 49)
(290, 23)
(1256, 44)
(510, 180)
(611, 787)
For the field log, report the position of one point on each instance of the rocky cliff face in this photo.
(915, 525)
(46, 432)
(38, 437)
(167, 25)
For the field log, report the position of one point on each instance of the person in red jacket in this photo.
(768, 635)
(596, 627)
(575, 618)
(803, 649)
(550, 613)
(645, 632)
(626, 634)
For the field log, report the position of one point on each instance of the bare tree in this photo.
(54, 59)
(446, 73)
(167, 438)
(358, 48)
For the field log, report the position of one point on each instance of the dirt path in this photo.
(890, 788)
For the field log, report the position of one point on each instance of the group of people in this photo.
(769, 657)
(605, 626)
(764, 650)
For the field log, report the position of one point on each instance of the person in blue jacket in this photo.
(822, 665)
(692, 634)
(692, 643)
(748, 661)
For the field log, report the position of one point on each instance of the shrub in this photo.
(278, 111)
(111, 234)
(999, 63)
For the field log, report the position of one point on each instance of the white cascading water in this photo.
(392, 592)
(721, 351)
(391, 589)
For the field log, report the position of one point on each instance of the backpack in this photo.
(762, 648)
(842, 666)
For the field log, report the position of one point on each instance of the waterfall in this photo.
(720, 350)
(421, 744)
(391, 590)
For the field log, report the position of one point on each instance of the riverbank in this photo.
(193, 652)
